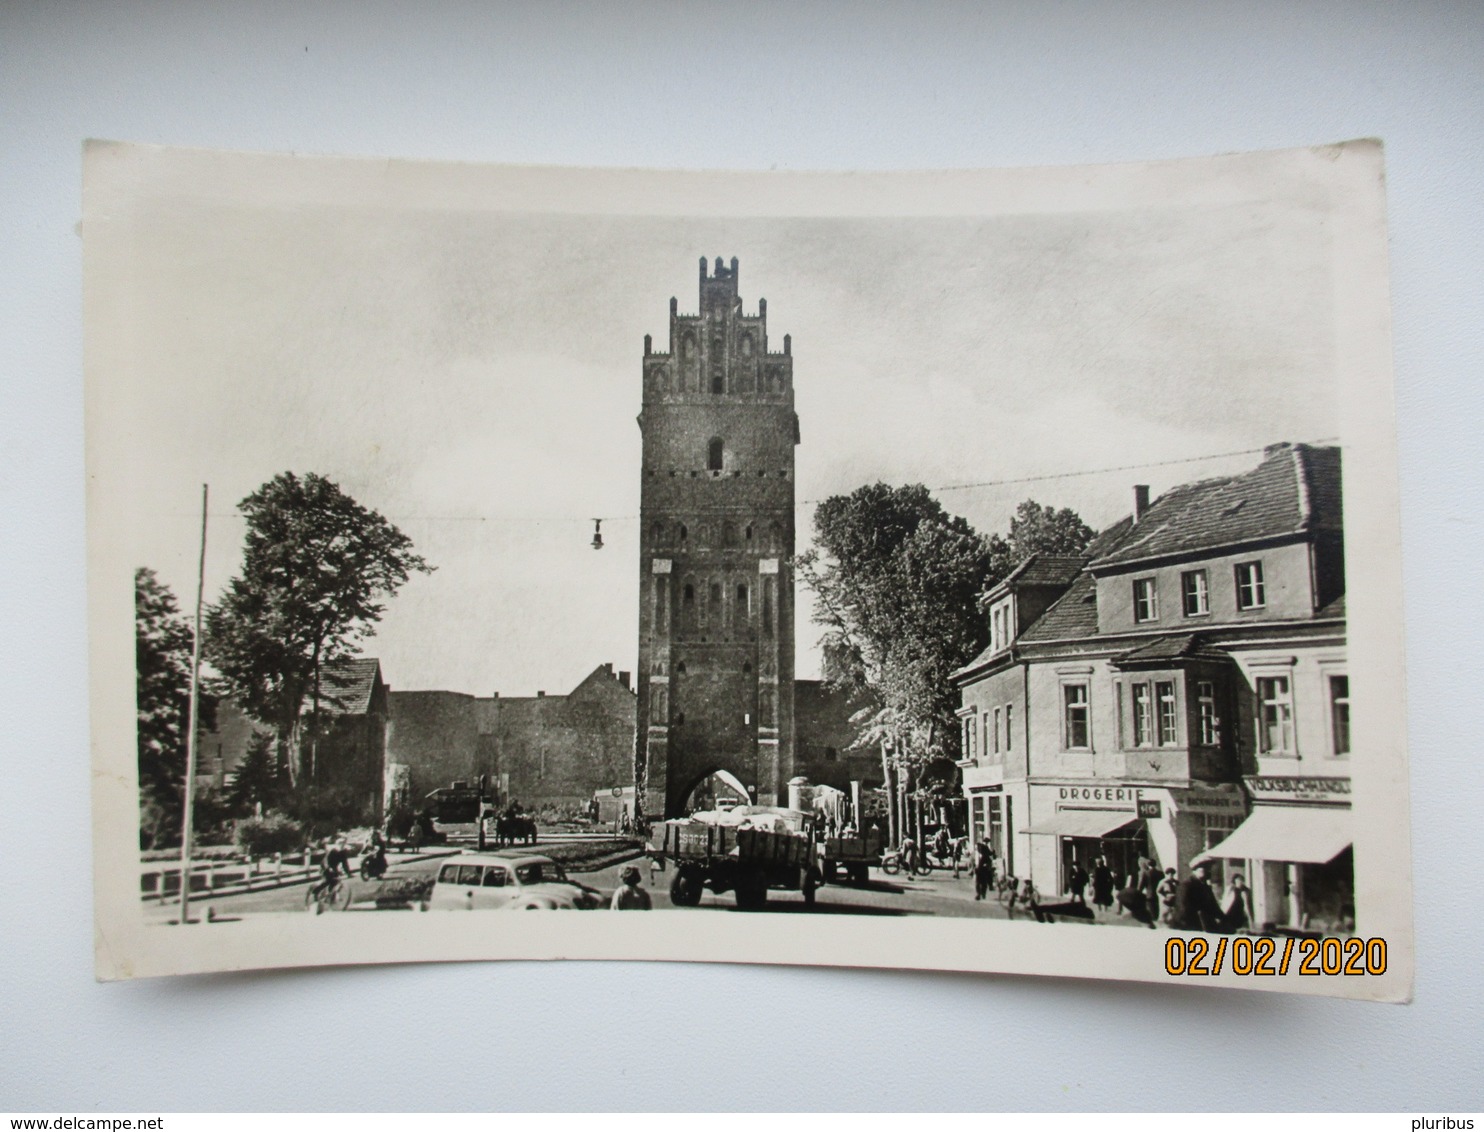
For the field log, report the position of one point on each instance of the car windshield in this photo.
(538, 872)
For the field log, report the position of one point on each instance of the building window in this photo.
(1210, 725)
(743, 610)
(659, 704)
(1009, 732)
(1275, 715)
(684, 532)
(987, 731)
(996, 732)
(1143, 715)
(1195, 593)
(1251, 594)
(714, 452)
(1146, 600)
(1164, 695)
(969, 738)
(1076, 725)
(1339, 713)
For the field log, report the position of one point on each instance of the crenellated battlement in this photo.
(720, 350)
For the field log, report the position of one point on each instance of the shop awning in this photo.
(1084, 823)
(1311, 835)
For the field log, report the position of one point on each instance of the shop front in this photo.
(1295, 847)
(1077, 825)
(990, 813)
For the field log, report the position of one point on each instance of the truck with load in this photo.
(746, 850)
(854, 854)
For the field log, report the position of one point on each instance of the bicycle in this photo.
(916, 866)
(1011, 892)
(328, 895)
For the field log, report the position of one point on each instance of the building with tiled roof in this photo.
(345, 766)
(1182, 695)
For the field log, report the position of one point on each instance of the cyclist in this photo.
(336, 860)
(908, 854)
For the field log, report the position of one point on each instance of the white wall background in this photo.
(815, 85)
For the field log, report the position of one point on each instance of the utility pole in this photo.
(189, 816)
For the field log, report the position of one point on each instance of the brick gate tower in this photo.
(716, 605)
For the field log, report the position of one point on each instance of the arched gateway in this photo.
(716, 609)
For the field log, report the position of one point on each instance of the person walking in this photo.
(1166, 891)
(1077, 883)
(628, 896)
(983, 869)
(1196, 907)
(1102, 884)
(1236, 910)
(1149, 878)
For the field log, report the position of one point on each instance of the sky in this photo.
(474, 375)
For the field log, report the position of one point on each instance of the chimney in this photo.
(623, 678)
(541, 695)
(1141, 500)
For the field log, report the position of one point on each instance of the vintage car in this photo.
(477, 881)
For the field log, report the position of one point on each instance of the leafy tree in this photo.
(898, 579)
(162, 691)
(1037, 530)
(316, 567)
(258, 779)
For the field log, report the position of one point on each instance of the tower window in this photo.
(684, 534)
(742, 600)
(714, 451)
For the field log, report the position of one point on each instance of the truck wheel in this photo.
(685, 890)
(752, 895)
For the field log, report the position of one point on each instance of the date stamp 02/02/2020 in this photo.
(1271, 956)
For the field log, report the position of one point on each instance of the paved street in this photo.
(940, 894)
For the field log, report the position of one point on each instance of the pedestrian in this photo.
(1102, 884)
(983, 868)
(1077, 882)
(1149, 878)
(1133, 901)
(628, 896)
(1236, 910)
(1196, 907)
(1167, 890)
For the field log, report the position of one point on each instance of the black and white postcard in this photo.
(979, 570)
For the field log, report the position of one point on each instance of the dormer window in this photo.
(1001, 628)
